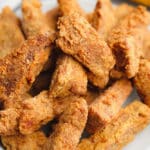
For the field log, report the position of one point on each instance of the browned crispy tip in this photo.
(126, 41)
(68, 7)
(71, 124)
(77, 38)
(34, 141)
(107, 105)
(121, 131)
(142, 81)
(69, 78)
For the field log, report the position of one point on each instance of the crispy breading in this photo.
(68, 7)
(123, 10)
(34, 21)
(115, 74)
(19, 69)
(69, 77)
(52, 17)
(121, 131)
(142, 81)
(11, 36)
(68, 131)
(103, 17)
(77, 38)
(34, 141)
(107, 105)
(126, 41)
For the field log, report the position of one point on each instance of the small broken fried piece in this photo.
(126, 41)
(142, 81)
(107, 105)
(19, 69)
(120, 131)
(34, 21)
(77, 38)
(68, 7)
(34, 141)
(71, 124)
(103, 17)
(69, 78)
(11, 36)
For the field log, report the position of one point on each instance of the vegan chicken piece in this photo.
(126, 41)
(107, 105)
(68, 7)
(34, 141)
(103, 17)
(142, 81)
(71, 124)
(69, 77)
(121, 131)
(77, 38)
(11, 36)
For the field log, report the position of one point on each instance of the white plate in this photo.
(142, 140)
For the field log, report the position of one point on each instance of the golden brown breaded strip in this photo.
(121, 131)
(103, 17)
(34, 22)
(19, 69)
(71, 124)
(126, 41)
(107, 105)
(77, 38)
(34, 141)
(142, 81)
(123, 10)
(69, 78)
(11, 36)
(68, 7)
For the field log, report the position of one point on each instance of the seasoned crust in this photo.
(77, 38)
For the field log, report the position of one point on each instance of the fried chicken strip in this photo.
(11, 36)
(69, 77)
(142, 81)
(103, 17)
(33, 141)
(77, 38)
(68, 131)
(107, 105)
(121, 131)
(68, 7)
(126, 41)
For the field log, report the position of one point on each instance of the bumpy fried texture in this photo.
(77, 38)
(121, 131)
(33, 141)
(142, 81)
(19, 69)
(67, 133)
(115, 74)
(11, 36)
(103, 18)
(68, 7)
(69, 77)
(106, 106)
(123, 10)
(52, 17)
(126, 41)
(36, 111)
(34, 22)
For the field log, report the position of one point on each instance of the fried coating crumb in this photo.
(69, 77)
(121, 131)
(126, 41)
(142, 81)
(68, 131)
(107, 105)
(77, 38)
(11, 36)
(34, 141)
